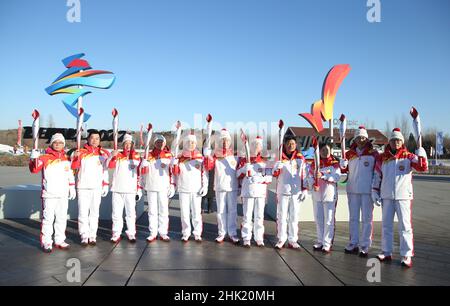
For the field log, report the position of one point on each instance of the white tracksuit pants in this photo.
(119, 202)
(403, 210)
(191, 205)
(88, 212)
(54, 212)
(288, 207)
(158, 213)
(324, 214)
(360, 204)
(253, 206)
(226, 213)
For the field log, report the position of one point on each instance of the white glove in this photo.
(171, 192)
(145, 163)
(302, 195)
(207, 152)
(138, 194)
(376, 198)
(421, 152)
(72, 193)
(105, 190)
(278, 165)
(343, 163)
(203, 191)
(35, 154)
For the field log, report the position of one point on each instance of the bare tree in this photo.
(387, 129)
(50, 121)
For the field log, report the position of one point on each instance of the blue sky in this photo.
(241, 60)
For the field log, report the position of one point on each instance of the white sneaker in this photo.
(116, 238)
(234, 239)
(198, 238)
(326, 250)
(131, 238)
(382, 257)
(279, 245)
(220, 239)
(293, 245)
(185, 238)
(165, 238)
(260, 244)
(247, 243)
(406, 261)
(62, 246)
(150, 239)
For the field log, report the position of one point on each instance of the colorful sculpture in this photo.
(322, 110)
(71, 81)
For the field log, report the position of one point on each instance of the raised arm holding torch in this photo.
(280, 139)
(342, 130)
(115, 124)
(148, 137)
(35, 129)
(316, 162)
(246, 147)
(80, 121)
(177, 138)
(417, 127)
(208, 131)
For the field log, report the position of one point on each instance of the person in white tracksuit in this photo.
(58, 186)
(324, 197)
(192, 185)
(359, 164)
(255, 176)
(292, 189)
(125, 189)
(224, 163)
(92, 185)
(392, 186)
(157, 181)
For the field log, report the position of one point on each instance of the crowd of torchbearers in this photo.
(373, 179)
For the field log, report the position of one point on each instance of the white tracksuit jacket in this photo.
(259, 170)
(190, 172)
(292, 178)
(393, 174)
(92, 168)
(57, 175)
(125, 177)
(360, 169)
(224, 171)
(331, 174)
(157, 177)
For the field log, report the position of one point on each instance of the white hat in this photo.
(224, 134)
(159, 137)
(361, 132)
(396, 134)
(58, 136)
(258, 140)
(190, 137)
(127, 137)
